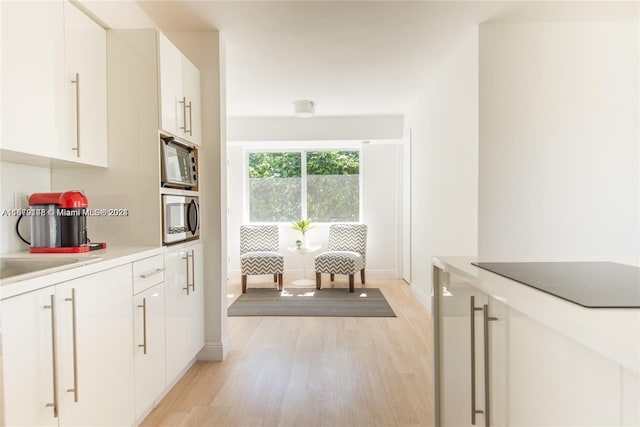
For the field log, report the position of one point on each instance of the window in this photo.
(275, 187)
(321, 185)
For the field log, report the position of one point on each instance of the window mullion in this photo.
(303, 177)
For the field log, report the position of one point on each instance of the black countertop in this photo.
(589, 284)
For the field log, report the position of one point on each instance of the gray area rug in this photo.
(337, 302)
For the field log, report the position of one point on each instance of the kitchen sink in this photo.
(11, 267)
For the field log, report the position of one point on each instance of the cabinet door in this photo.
(196, 341)
(179, 93)
(460, 352)
(149, 347)
(32, 76)
(177, 316)
(497, 326)
(554, 380)
(191, 87)
(172, 106)
(184, 305)
(28, 359)
(86, 89)
(96, 380)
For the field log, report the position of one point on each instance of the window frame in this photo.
(302, 148)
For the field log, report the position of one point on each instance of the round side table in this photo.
(304, 251)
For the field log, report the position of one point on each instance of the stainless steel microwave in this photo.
(179, 164)
(180, 218)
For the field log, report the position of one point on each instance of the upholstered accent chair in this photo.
(346, 254)
(259, 246)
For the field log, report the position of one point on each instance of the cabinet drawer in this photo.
(147, 273)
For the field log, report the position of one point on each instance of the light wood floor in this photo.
(313, 371)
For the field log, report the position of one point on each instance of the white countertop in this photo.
(95, 261)
(612, 332)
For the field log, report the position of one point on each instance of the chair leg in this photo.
(362, 276)
(318, 281)
(244, 283)
(279, 281)
(351, 283)
(275, 278)
(332, 276)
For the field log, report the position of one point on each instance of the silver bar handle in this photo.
(472, 314)
(487, 388)
(74, 390)
(184, 114)
(153, 273)
(54, 404)
(186, 258)
(193, 271)
(77, 83)
(190, 131)
(144, 325)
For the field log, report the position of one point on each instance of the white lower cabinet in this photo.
(465, 379)
(101, 350)
(507, 369)
(28, 361)
(148, 332)
(96, 359)
(149, 347)
(184, 307)
(554, 380)
(67, 353)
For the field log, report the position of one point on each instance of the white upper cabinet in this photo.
(191, 87)
(86, 89)
(171, 107)
(44, 111)
(32, 77)
(179, 93)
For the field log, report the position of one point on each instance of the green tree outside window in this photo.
(333, 186)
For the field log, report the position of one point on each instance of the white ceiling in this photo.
(349, 57)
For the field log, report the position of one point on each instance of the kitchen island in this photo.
(509, 354)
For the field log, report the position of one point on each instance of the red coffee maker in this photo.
(58, 222)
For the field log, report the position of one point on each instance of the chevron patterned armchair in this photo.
(346, 254)
(259, 246)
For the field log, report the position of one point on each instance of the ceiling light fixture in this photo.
(304, 108)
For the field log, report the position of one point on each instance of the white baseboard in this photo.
(422, 297)
(213, 352)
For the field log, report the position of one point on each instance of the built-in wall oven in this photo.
(179, 164)
(180, 218)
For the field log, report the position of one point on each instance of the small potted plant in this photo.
(302, 226)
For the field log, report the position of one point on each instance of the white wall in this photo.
(315, 128)
(444, 165)
(382, 207)
(559, 141)
(381, 168)
(18, 178)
